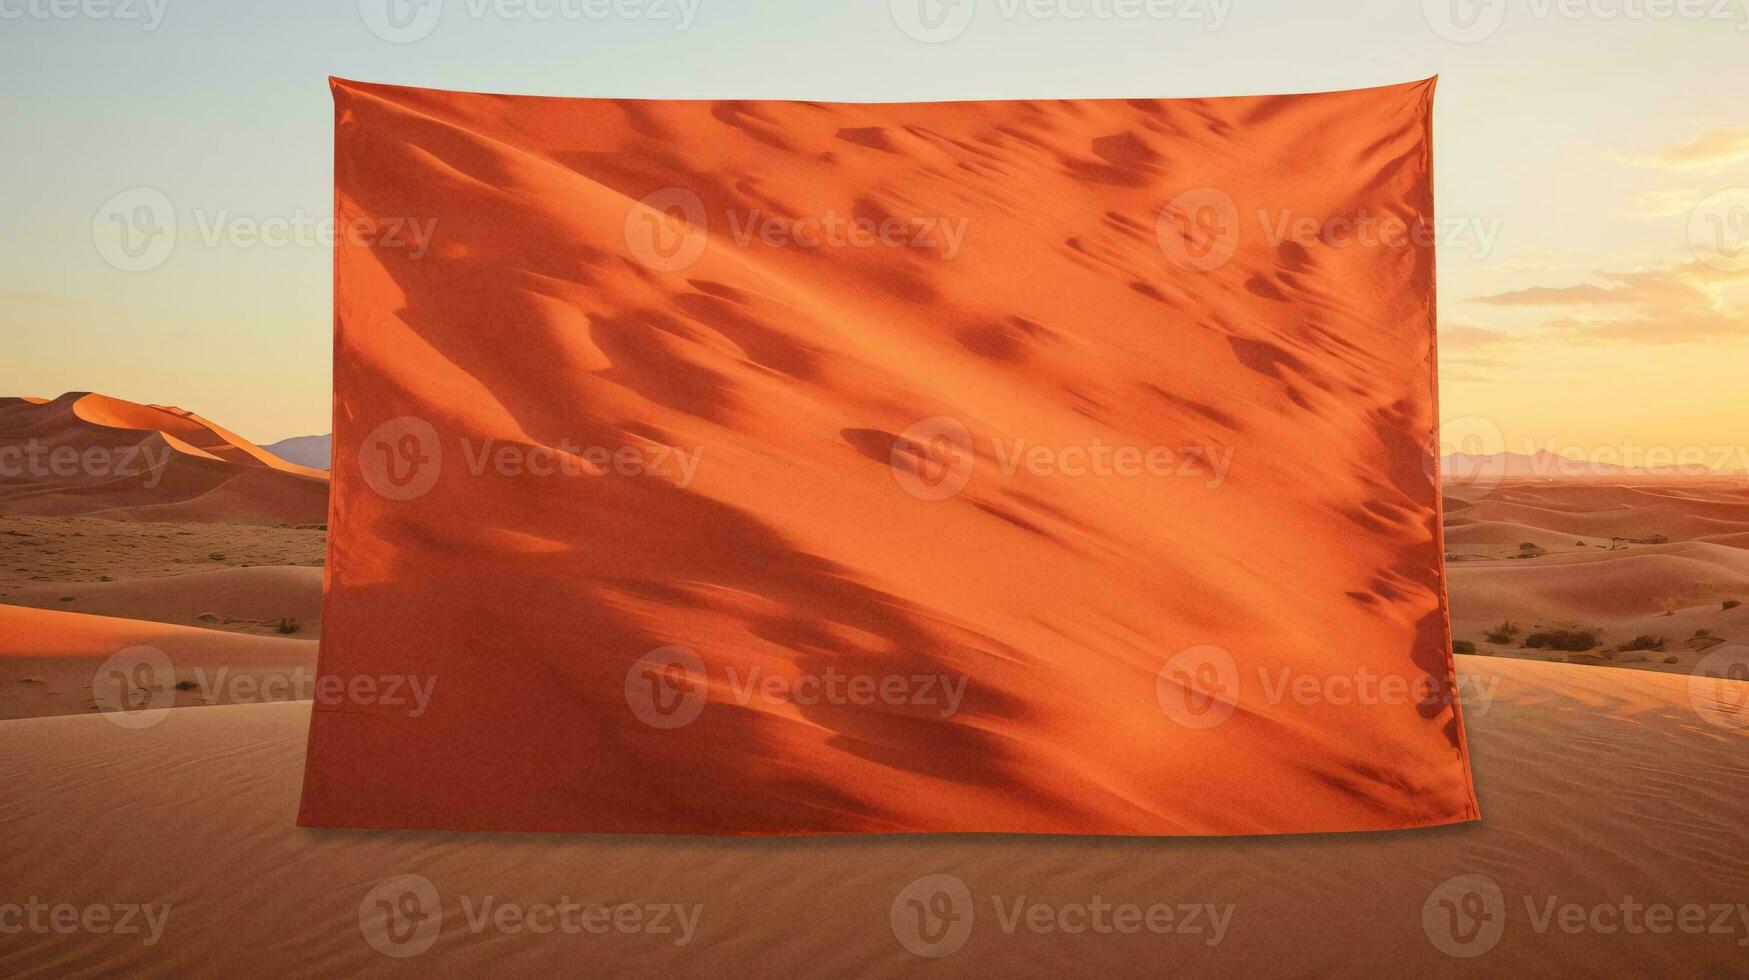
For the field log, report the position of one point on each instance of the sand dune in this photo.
(1642, 582)
(62, 663)
(1596, 785)
(1676, 511)
(1730, 539)
(1658, 559)
(89, 454)
(214, 597)
(268, 600)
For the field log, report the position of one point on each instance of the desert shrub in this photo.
(1644, 642)
(1504, 633)
(287, 625)
(1570, 641)
(1731, 604)
(1702, 634)
(1462, 646)
(1671, 660)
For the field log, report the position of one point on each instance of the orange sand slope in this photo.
(91, 454)
(1598, 785)
(263, 599)
(1667, 560)
(545, 315)
(61, 663)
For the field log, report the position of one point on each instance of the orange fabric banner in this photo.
(796, 467)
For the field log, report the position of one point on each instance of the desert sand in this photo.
(257, 580)
(58, 663)
(1662, 560)
(90, 454)
(239, 577)
(1597, 784)
(223, 601)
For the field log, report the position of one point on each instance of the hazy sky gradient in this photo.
(1582, 144)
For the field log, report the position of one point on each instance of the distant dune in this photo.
(1659, 567)
(89, 454)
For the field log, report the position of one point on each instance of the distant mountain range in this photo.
(315, 451)
(1545, 465)
(312, 451)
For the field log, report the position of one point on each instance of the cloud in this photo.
(1709, 149)
(1464, 335)
(1470, 351)
(1663, 202)
(1712, 148)
(1586, 294)
(1515, 266)
(1671, 304)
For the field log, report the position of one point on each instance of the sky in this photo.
(1591, 158)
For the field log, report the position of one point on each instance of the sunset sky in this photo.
(1584, 306)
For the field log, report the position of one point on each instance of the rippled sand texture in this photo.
(1599, 785)
(547, 311)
